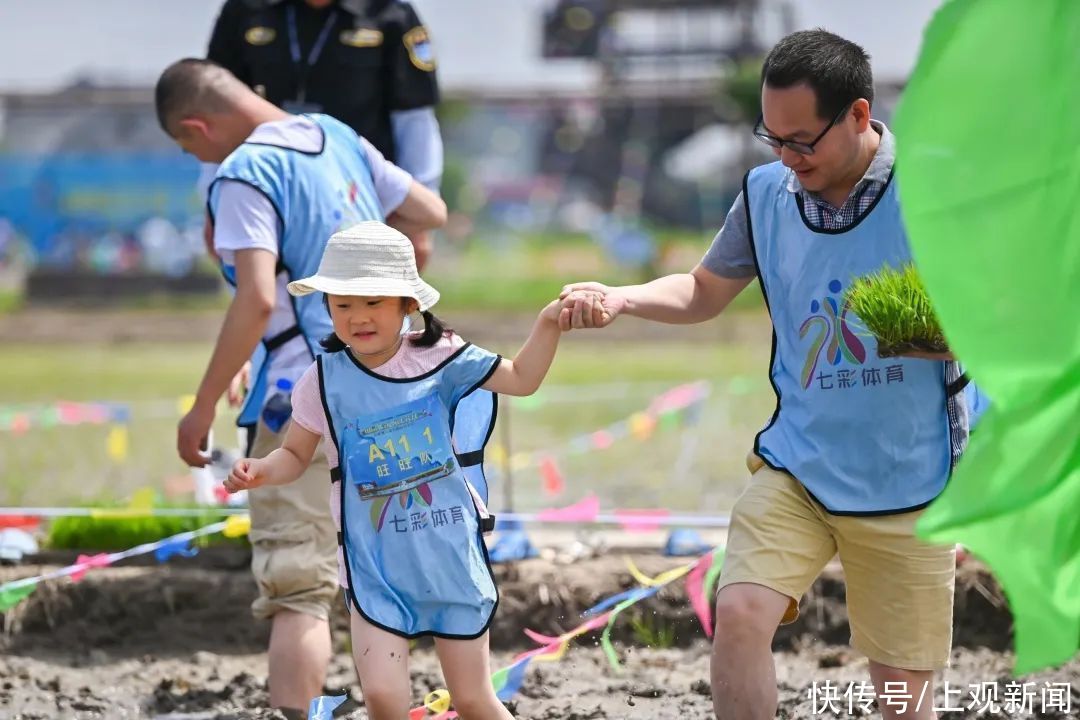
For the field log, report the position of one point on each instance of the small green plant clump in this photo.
(654, 632)
(895, 308)
(120, 533)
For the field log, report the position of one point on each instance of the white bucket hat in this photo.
(369, 258)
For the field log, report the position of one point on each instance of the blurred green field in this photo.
(591, 385)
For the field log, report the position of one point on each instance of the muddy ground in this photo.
(174, 642)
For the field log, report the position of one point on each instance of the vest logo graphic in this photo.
(831, 338)
(347, 216)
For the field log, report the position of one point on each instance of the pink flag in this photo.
(695, 590)
(676, 398)
(584, 510)
(553, 478)
(87, 562)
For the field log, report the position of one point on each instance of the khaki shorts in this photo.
(293, 539)
(899, 588)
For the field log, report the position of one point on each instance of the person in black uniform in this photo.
(368, 63)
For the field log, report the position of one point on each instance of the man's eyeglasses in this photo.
(807, 148)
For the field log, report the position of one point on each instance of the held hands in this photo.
(561, 312)
(589, 305)
(246, 473)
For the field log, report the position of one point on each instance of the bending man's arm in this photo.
(243, 329)
(245, 322)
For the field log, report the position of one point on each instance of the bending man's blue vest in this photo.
(411, 523)
(863, 434)
(315, 195)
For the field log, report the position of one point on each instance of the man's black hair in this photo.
(837, 70)
(188, 86)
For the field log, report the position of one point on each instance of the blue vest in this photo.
(863, 434)
(315, 195)
(411, 522)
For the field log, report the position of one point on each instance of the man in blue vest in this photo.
(285, 184)
(858, 444)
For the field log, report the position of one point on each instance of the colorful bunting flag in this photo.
(12, 596)
(85, 563)
(237, 526)
(553, 483)
(585, 510)
(116, 443)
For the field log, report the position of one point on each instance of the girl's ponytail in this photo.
(434, 330)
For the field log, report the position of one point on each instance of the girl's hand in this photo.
(559, 311)
(586, 308)
(551, 311)
(246, 473)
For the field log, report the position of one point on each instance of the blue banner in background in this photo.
(105, 212)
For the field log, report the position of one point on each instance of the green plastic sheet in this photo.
(988, 166)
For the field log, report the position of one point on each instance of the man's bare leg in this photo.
(743, 669)
(299, 656)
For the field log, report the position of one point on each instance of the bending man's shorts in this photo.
(293, 540)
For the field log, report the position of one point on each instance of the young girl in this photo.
(407, 417)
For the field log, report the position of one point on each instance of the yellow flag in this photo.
(437, 701)
(237, 526)
(116, 444)
(642, 426)
(662, 579)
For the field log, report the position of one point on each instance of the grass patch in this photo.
(118, 533)
(896, 309)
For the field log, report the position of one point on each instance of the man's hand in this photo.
(239, 385)
(589, 305)
(192, 434)
(559, 311)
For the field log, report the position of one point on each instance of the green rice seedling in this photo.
(894, 307)
(654, 632)
(120, 533)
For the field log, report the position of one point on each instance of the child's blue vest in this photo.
(315, 195)
(411, 521)
(863, 434)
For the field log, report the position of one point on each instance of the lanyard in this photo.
(316, 49)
